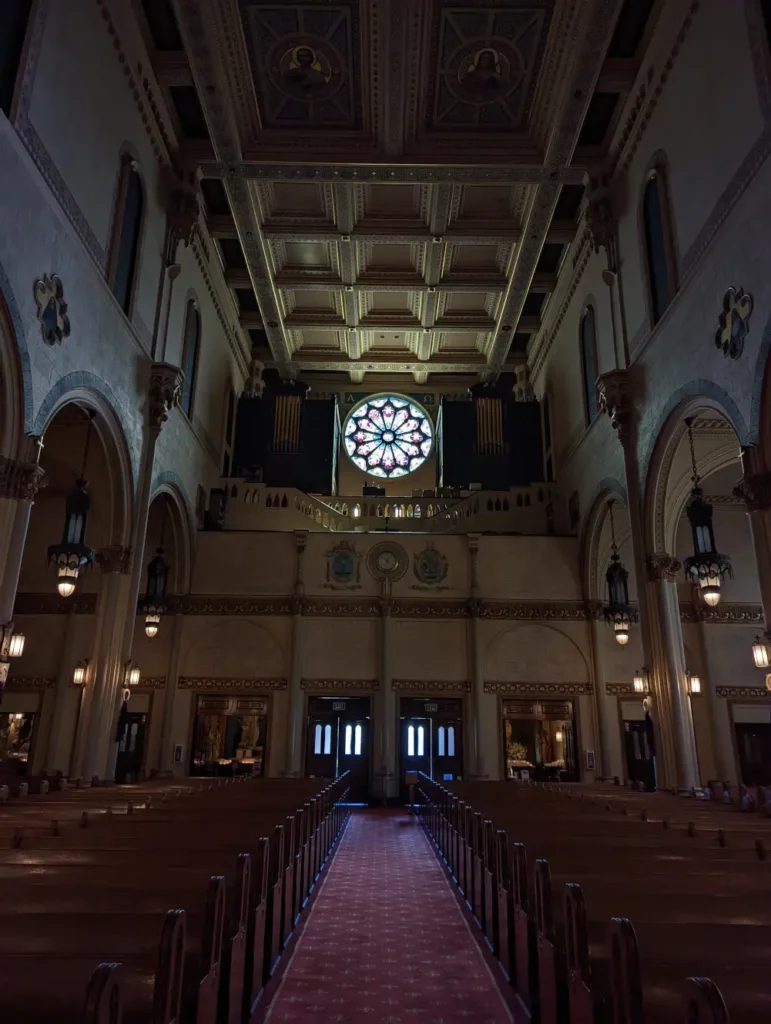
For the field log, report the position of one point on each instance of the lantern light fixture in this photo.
(618, 611)
(706, 567)
(694, 683)
(72, 555)
(641, 680)
(153, 604)
(132, 674)
(80, 672)
(760, 652)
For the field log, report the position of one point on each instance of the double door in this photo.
(338, 741)
(131, 746)
(432, 738)
(638, 739)
(753, 741)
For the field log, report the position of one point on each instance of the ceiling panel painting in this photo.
(305, 63)
(486, 61)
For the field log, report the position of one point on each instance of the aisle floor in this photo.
(386, 941)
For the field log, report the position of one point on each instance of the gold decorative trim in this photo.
(430, 686)
(30, 682)
(537, 610)
(621, 690)
(237, 683)
(540, 689)
(340, 685)
(753, 692)
(367, 608)
(724, 614)
(202, 604)
(52, 604)
(150, 683)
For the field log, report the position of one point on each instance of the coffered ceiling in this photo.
(393, 184)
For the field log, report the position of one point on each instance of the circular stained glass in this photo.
(388, 436)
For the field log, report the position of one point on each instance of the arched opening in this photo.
(127, 232)
(658, 244)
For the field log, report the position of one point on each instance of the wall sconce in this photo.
(133, 674)
(641, 680)
(80, 672)
(558, 736)
(11, 644)
(760, 653)
(694, 683)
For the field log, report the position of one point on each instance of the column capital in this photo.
(600, 215)
(165, 391)
(662, 566)
(755, 491)
(20, 480)
(115, 558)
(614, 395)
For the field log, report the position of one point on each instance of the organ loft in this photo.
(385, 530)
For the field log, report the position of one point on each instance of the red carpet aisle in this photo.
(386, 942)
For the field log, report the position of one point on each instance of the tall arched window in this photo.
(589, 361)
(127, 232)
(658, 248)
(190, 356)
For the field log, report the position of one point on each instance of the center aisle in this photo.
(386, 941)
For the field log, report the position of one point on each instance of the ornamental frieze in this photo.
(200, 604)
(367, 608)
(620, 690)
(430, 686)
(30, 682)
(723, 614)
(52, 604)
(340, 685)
(430, 609)
(230, 683)
(754, 692)
(540, 689)
(147, 683)
(562, 611)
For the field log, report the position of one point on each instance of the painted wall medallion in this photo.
(734, 322)
(387, 561)
(52, 309)
(343, 565)
(430, 567)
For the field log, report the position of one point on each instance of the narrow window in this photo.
(657, 248)
(547, 445)
(190, 356)
(317, 739)
(357, 741)
(440, 741)
(589, 361)
(411, 741)
(451, 741)
(128, 221)
(348, 738)
(421, 741)
(15, 20)
(327, 739)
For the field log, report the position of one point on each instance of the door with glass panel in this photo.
(338, 741)
(431, 738)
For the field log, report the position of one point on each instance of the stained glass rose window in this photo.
(388, 436)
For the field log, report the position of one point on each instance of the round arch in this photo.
(563, 649)
(589, 548)
(15, 380)
(168, 487)
(665, 495)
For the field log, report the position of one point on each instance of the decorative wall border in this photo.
(371, 608)
(340, 685)
(754, 692)
(430, 686)
(621, 690)
(540, 689)
(30, 682)
(236, 684)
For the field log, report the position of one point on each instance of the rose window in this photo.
(388, 436)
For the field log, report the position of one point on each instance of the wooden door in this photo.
(639, 754)
(753, 741)
(338, 741)
(447, 749)
(131, 745)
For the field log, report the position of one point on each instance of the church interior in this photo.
(385, 511)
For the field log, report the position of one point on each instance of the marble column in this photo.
(166, 754)
(614, 394)
(295, 716)
(476, 666)
(165, 389)
(611, 756)
(671, 668)
(20, 480)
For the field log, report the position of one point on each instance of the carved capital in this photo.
(601, 217)
(115, 558)
(183, 207)
(20, 480)
(662, 566)
(523, 388)
(615, 398)
(164, 393)
(755, 492)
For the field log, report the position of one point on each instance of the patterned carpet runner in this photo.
(386, 942)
